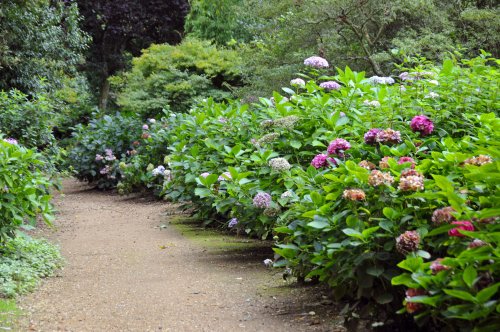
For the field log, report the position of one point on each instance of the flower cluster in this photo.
(443, 216)
(232, 222)
(408, 242)
(432, 95)
(330, 85)
(225, 177)
(10, 140)
(287, 194)
(268, 138)
(105, 170)
(381, 80)
(223, 120)
(479, 160)
(411, 180)
(437, 266)
(298, 82)
(338, 146)
(204, 174)
(268, 262)
(279, 164)
(384, 162)
(461, 225)
(476, 243)
(388, 136)
(266, 124)
(403, 160)
(160, 170)
(271, 211)
(367, 165)
(145, 127)
(371, 135)
(322, 160)
(354, 194)
(287, 122)
(422, 124)
(316, 62)
(372, 103)
(262, 200)
(378, 178)
(412, 307)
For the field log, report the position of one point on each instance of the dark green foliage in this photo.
(174, 77)
(215, 20)
(121, 27)
(40, 43)
(24, 189)
(109, 133)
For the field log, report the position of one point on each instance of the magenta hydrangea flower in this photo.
(403, 160)
(316, 62)
(262, 200)
(338, 146)
(321, 160)
(461, 225)
(330, 85)
(371, 135)
(422, 124)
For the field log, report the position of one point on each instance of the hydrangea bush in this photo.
(385, 188)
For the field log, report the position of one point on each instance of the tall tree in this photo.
(39, 39)
(127, 26)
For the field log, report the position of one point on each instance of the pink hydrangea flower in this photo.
(422, 124)
(403, 160)
(316, 62)
(338, 146)
(437, 267)
(321, 160)
(10, 140)
(145, 127)
(225, 176)
(204, 174)
(461, 225)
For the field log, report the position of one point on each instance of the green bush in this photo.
(24, 189)
(99, 146)
(23, 262)
(174, 77)
(354, 220)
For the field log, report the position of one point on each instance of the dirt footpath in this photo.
(128, 269)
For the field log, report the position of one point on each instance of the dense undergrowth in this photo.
(384, 188)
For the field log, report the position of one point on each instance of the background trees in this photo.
(119, 28)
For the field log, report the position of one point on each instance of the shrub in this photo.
(174, 77)
(347, 180)
(24, 190)
(23, 262)
(99, 147)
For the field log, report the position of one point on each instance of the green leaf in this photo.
(375, 271)
(460, 295)
(318, 224)
(295, 144)
(469, 275)
(384, 298)
(429, 300)
(485, 294)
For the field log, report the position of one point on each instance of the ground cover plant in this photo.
(385, 188)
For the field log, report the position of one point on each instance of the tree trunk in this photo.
(104, 95)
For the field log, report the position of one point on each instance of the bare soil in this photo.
(128, 268)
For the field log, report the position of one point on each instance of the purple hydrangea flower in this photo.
(381, 80)
(338, 146)
(316, 62)
(233, 222)
(160, 170)
(204, 174)
(145, 127)
(321, 160)
(262, 200)
(422, 124)
(225, 176)
(330, 85)
(11, 140)
(98, 157)
(371, 135)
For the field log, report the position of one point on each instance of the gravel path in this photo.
(125, 273)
